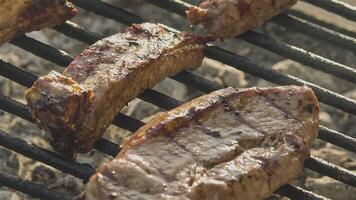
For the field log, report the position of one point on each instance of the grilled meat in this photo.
(77, 106)
(227, 18)
(228, 145)
(21, 16)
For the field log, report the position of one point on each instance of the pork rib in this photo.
(227, 18)
(21, 16)
(77, 106)
(228, 145)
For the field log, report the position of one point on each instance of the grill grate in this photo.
(30, 188)
(337, 7)
(318, 32)
(61, 58)
(324, 24)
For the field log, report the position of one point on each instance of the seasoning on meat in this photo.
(21, 16)
(227, 18)
(78, 106)
(228, 145)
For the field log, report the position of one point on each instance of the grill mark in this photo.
(286, 112)
(182, 146)
(271, 103)
(229, 108)
(238, 117)
(214, 134)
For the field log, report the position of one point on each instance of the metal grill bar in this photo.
(300, 55)
(241, 63)
(310, 29)
(334, 171)
(297, 193)
(11, 106)
(104, 9)
(12, 73)
(337, 138)
(47, 52)
(176, 6)
(108, 11)
(82, 171)
(73, 30)
(321, 23)
(27, 187)
(16, 74)
(336, 6)
(326, 96)
(127, 123)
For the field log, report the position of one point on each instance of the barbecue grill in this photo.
(295, 20)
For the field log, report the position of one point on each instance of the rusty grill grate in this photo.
(295, 20)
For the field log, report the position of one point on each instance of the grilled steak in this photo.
(227, 18)
(21, 16)
(77, 106)
(228, 145)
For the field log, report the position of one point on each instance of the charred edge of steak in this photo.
(59, 104)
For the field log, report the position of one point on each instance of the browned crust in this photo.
(21, 16)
